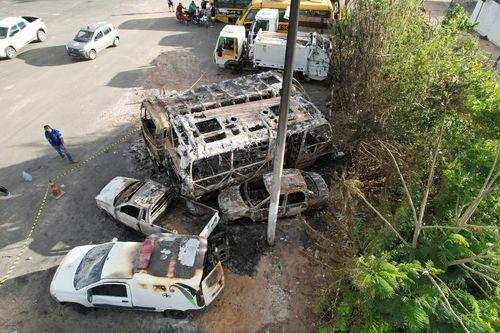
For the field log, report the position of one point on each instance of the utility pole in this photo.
(286, 90)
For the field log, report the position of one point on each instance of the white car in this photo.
(17, 32)
(166, 272)
(92, 39)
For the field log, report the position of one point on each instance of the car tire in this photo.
(41, 36)
(92, 54)
(116, 41)
(10, 52)
(175, 314)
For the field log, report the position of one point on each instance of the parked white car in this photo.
(17, 32)
(92, 39)
(166, 272)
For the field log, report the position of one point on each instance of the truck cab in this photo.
(266, 19)
(230, 46)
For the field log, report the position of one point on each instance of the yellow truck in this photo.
(313, 15)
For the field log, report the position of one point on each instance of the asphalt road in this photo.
(93, 103)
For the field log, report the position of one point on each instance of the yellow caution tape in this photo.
(41, 207)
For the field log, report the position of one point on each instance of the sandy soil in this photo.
(277, 298)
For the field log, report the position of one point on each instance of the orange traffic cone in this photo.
(56, 191)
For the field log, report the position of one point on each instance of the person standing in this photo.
(170, 5)
(204, 4)
(56, 140)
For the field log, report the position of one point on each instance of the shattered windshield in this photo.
(128, 192)
(83, 36)
(90, 268)
(3, 32)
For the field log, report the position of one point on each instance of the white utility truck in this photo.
(266, 19)
(166, 273)
(267, 50)
(17, 32)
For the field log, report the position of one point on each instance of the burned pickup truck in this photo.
(224, 133)
(150, 207)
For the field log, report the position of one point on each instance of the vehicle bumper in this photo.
(77, 53)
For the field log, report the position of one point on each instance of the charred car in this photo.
(136, 203)
(166, 272)
(148, 207)
(300, 191)
(224, 133)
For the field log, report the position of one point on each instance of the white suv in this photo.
(17, 32)
(92, 39)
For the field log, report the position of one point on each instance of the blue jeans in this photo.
(61, 151)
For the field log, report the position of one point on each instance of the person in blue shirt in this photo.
(54, 137)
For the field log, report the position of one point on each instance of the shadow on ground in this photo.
(46, 56)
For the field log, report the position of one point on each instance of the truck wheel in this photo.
(10, 52)
(41, 36)
(116, 41)
(92, 54)
(175, 314)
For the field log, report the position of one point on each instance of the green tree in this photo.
(420, 118)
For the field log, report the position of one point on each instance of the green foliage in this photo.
(399, 79)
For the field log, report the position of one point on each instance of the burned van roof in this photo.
(224, 129)
(177, 256)
(215, 95)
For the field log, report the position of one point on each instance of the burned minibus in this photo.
(224, 133)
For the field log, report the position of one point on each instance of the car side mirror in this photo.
(89, 296)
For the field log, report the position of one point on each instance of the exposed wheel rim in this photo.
(92, 55)
(117, 41)
(11, 53)
(41, 36)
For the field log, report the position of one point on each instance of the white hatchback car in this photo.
(92, 39)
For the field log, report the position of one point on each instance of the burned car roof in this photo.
(149, 193)
(291, 181)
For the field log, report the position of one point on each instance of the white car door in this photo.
(110, 295)
(25, 35)
(14, 36)
(108, 36)
(99, 40)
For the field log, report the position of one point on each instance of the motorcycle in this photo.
(182, 17)
(201, 19)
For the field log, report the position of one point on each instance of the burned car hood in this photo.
(113, 188)
(230, 200)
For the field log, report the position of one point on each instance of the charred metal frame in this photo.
(225, 132)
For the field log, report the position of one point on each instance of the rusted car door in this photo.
(295, 203)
